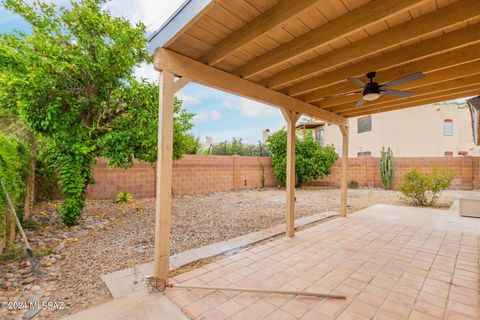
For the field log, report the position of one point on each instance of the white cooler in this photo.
(470, 207)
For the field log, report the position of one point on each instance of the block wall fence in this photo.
(199, 174)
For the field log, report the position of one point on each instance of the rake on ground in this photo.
(34, 263)
(160, 285)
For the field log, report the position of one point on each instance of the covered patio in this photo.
(387, 268)
(297, 55)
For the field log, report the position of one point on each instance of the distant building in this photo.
(424, 131)
(265, 135)
(208, 142)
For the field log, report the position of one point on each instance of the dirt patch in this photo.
(113, 237)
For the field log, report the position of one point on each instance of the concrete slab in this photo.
(139, 305)
(423, 217)
(391, 262)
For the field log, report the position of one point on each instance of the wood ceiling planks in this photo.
(303, 56)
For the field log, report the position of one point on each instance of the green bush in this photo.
(14, 157)
(312, 161)
(124, 197)
(424, 189)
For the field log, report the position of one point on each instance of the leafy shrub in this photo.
(123, 197)
(424, 189)
(312, 161)
(14, 157)
(353, 184)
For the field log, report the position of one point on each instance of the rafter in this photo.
(459, 12)
(274, 17)
(357, 19)
(437, 69)
(164, 59)
(421, 91)
(435, 97)
(452, 40)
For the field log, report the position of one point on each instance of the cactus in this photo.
(387, 168)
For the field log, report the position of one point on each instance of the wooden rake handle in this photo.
(296, 293)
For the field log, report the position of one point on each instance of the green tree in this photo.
(312, 161)
(71, 82)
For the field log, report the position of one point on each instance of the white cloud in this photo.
(152, 13)
(147, 72)
(249, 108)
(205, 115)
(188, 100)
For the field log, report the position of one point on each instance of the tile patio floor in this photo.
(386, 270)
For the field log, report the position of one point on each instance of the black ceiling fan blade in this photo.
(411, 77)
(360, 102)
(357, 82)
(397, 93)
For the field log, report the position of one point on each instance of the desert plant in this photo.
(424, 189)
(262, 174)
(123, 197)
(353, 184)
(387, 168)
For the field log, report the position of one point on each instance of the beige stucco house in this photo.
(426, 131)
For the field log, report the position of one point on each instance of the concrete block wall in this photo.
(193, 174)
(367, 171)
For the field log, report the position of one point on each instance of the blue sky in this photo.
(218, 114)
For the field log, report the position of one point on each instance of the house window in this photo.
(365, 154)
(364, 124)
(448, 127)
(319, 137)
(448, 154)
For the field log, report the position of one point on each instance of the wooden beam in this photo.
(357, 19)
(419, 92)
(441, 67)
(291, 118)
(180, 65)
(180, 83)
(270, 19)
(432, 77)
(163, 194)
(459, 12)
(455, 39)
(436, 97)
(344, 176)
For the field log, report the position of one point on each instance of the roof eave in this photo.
(176, 23)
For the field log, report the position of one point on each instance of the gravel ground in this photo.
(112, 237)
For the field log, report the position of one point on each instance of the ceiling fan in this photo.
(373, 90)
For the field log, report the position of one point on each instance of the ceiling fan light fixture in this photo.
(371, 96)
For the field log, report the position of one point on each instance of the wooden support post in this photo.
(163, 195)
(291, 117)
(344, 176)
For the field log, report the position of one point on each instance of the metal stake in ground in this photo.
(34, 263)
(160, 285)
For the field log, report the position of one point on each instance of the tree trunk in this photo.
(30, 189)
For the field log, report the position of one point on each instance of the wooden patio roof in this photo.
(294, 53)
